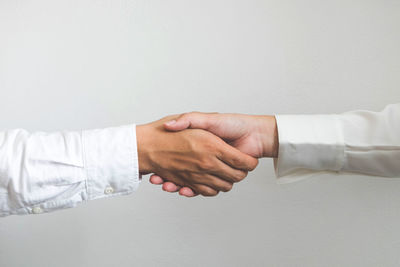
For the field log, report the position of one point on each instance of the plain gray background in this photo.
(82, 64)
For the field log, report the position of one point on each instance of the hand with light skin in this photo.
(194, 159)
(255, 135)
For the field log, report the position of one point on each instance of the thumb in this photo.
(176, 125)
(193, 120)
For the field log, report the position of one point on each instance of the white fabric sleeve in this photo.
(361, 142)
(42, 172)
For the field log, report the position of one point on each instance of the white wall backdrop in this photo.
(82, 64)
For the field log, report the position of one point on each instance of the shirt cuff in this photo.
(111, 161)
(308, 144)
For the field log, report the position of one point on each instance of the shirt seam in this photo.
(376, 147)
(85, 164)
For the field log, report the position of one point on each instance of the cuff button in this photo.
(37, 210)
(109, 190)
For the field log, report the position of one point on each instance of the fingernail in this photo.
(170, 123)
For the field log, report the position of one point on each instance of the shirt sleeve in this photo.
(43, 172)
(363, 142)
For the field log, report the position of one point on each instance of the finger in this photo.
(170, 187)
(155, 179)
(193, 120)
(175, 125)
(237, 159)
(227, 173)
(215, 182)
(205, 190)
(187, 192)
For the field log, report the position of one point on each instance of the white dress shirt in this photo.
(361, 142)
(42, 172)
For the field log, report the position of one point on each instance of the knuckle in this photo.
(237, 161)
(208, 192)
(242, 175)
(192, 113)
(253, 165)
(184, 115)
(250, 168)
(235, 179)
(227, 187)
(207, 165)
(209, 141)
(214, 193)
(169, 117)
(239, 176)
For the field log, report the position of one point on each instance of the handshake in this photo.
(204, 153)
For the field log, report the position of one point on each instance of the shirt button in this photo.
(108, 190)
(37, 210)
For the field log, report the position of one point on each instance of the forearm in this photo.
(372, 141)
(360, 141)
(41, 172)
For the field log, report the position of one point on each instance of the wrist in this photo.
(269, 137)
(143, 134)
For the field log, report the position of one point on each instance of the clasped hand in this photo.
(204, 153)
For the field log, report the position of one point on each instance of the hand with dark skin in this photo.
(254, 135)
(194, 159)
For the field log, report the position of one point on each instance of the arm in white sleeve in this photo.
(43, 172)
(361, 142)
